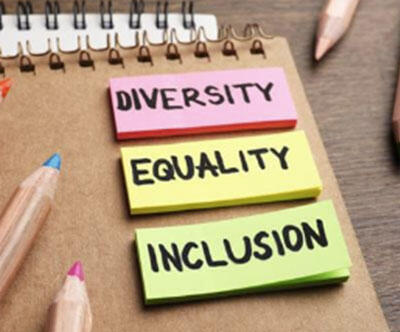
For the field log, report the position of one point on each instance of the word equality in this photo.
(173, 99)
(222, 172)
(146, 171)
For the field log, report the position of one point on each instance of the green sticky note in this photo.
(291, 248)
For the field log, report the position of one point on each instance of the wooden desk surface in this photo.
(351, 93)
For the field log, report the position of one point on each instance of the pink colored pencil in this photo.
(70, 310)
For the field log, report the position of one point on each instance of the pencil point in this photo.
(54, 161)
(323, 45)
(5, 86)
(76, 270)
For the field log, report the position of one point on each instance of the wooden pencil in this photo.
(334, 21)
(5, 86)
(23, 217)
(70, 310)
(396, 116)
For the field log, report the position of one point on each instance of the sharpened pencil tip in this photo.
(54, 161)
(323, 45)
(76, 270)
(5, 86)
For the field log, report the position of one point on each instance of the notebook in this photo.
(70, 112)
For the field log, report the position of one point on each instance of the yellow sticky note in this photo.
(219, 172)
(291, 248)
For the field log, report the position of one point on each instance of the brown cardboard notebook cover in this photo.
(70, 113)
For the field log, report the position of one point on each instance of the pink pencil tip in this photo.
(323, 45)
(76, 270)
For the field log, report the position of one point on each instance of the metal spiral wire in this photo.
(227, 35)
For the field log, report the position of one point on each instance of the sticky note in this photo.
(292, 248)
(213, 101)
(223, 172)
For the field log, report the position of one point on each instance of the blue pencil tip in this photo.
(54, 161)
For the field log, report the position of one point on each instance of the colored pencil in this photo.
(70, 310)
(396, 116)
(334, 21)
(24, 216)
(5, 86)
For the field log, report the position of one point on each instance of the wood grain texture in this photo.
(351, 92)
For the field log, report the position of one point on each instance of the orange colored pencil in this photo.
(5, 86)
(70, 311)
(23, 217)
(334, 21)
(396, 116)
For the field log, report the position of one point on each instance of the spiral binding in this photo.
(162, 15)
(135, 14)
(227, 36)
(188, 24)
(79, 9)
(52, 9)
(106, 24)
(2, 12)
(23, 11)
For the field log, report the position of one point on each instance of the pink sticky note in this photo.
(200, 102)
